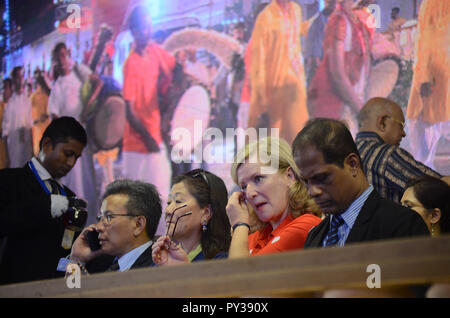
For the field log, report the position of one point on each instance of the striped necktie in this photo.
(333, 237)
(55, 186)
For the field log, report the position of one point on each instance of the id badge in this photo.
(67, 239)
(62, 264)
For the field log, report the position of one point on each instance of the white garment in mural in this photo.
(17, 124)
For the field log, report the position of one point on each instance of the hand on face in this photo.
(80, 248)
(237, 210)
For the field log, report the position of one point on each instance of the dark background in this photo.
(29, 20)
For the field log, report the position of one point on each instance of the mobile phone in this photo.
(93, 241)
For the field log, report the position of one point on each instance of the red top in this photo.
(324, 100)
(289, 235)
(141, 74)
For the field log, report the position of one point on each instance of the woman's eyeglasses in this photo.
(176, 222)
(198, 173)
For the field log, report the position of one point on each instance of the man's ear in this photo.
(352, 161)
(141, 223)
(381, 123)
(47, 145)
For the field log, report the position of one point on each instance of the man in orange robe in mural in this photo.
(338, 89)
(147, 73)
(277, 76)
(429, 103)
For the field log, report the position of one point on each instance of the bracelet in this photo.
(240, 224)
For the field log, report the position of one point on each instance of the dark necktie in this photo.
(55, 186)
(114, 266)
(333, 237)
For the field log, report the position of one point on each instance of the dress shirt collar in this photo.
(42, 172)
(352, 212)
(127, 260)
(264, 235)
(369, 135)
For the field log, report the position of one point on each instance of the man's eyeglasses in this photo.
(106, 218)
(198, 173)
(397, 121)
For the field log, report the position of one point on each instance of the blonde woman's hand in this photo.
(237, 209)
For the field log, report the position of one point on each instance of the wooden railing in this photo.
(330, 272)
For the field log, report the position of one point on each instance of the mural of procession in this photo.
(216, 72)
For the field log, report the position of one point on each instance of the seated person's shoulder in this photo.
(395, 216)
(305, 221)
(100, 264)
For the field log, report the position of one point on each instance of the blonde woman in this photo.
(274, 203)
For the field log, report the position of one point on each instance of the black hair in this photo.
(7, 81)
(42, 83)
(433, 193)
(212, 192)
(331, 137)
(15, 71)
(63, 128)
(143, 199)
(57, 69)
(136, 15)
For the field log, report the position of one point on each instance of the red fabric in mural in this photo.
(140, 87)
(323, 99)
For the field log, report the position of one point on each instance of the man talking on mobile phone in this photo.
(127, 223)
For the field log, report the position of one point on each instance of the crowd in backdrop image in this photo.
(164, 89)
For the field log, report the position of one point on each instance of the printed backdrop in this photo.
(247, 65)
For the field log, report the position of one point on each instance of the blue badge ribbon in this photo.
(33, 168)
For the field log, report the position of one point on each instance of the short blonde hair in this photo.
(277, 148)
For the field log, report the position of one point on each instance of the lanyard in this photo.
(31, 165)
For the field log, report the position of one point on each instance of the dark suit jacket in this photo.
(145, 260)
(378, 219)
(33, 237)
(102, 263)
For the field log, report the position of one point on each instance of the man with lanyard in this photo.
(32, 203)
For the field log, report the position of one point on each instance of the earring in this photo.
(434, 230)
(204, 226)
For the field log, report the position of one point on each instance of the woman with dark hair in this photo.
(430, 198)
(197, 223)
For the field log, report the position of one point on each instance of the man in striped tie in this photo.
(330, 165)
